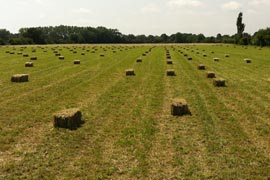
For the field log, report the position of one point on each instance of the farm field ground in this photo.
(129, 132)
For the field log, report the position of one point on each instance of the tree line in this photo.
(87, 35)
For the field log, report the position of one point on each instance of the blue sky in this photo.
(137, 16)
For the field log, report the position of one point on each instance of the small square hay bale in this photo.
(77, 62)
(201, 67)
(219, 82)
(57, 54)
(185, 55)
(33, 58)
(19, 53)
(29, 64)
(226, 55)
(189, 58)
(216, 59)
(248, 61)
(139, 60)
(68, 118)
(130, 72)
(168, 57)
(204, 55)
(212, 52)
(61, 57)
(170, 72)
(179, 107)
(82, 53)
(210, 74)
(25, 55)
(169, 62)
(20, 78)
(102, 55)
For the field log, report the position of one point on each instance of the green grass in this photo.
(128, 131)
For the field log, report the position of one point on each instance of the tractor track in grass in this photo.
(40, 127)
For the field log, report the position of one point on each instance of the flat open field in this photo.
(129, 132)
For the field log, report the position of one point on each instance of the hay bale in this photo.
(201, 67)
(179, 107)
(77, 62)
(171, 72)
(33, 58)
(20, 78)
(57, 54)
(216, 59)
(226, 55)
(61, 57)
(204, 55)
(248, 61)
(29, 64)
(139, 60)
(82, 53)
(130, 72)
(219, 82)
(102, 55)
(168, 57)
(25, 55)
(68, 118)
(189, 58)
(185, 55)
(169, 62)
(210, 74)
(19, 53)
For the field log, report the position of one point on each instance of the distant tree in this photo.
(240, 25)
(4, 36)
(262, 37)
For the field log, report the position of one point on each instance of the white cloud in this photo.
(259, 2)
(185, 3)
(82, 11)
(232, 5)
(150, 8)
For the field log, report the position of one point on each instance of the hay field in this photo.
(129, 132)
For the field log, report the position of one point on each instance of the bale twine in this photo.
(68, 118)
(219, 82)
(179, 107)
(20, 78)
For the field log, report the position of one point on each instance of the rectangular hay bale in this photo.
(20, 78)
(68, 118)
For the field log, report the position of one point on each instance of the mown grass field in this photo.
(129, 132)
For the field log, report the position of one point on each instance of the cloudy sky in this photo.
(138, 16)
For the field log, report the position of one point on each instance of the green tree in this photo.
(240, 25)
